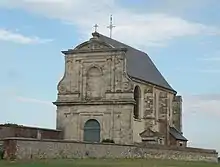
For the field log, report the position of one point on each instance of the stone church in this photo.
(111, 91)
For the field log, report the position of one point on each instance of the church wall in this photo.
(94, 76)
(156, 110)
(95, 86)
(138, 124)
(138, 128)
(96, 82)
(115, 121)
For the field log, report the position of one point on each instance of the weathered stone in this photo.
(96, 85)
(177, 112)
(52, 149)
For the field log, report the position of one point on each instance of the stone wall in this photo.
(156, 111)
(115, 121)
(138, 127)
(38, 149)
(175, 142)
(8, 130)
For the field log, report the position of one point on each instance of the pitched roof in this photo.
(149, 133)
(176, 134)
(139, 64)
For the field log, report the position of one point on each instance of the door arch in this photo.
(92, 131)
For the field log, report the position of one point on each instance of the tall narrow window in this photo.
(137, 97)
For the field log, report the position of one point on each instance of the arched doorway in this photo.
(92, 131)
(137, 97)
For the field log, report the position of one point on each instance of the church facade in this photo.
(111, 91)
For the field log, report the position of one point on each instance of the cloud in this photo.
(204, 70)
(212, 71)
(6, 35)
(204, 103)
(214, 57)
(201, 114)
(32, 100)
(137, 29)
(210, 59)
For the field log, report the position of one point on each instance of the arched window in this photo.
(137, 97)
(92, 131)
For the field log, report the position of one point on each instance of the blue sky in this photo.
(182, 38)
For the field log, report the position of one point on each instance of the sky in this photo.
(181, 37)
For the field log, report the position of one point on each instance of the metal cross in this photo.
(96, 27)
(111, 26)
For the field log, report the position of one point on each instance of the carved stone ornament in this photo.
(126, 86)
(117, 60)
(61, 89)
(149, 89)
(93, 44)
(163, 95)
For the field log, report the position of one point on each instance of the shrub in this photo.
(108, 141)
(1, 152)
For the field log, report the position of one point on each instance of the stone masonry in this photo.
(177, 112)
(21, 148)
(96, 86)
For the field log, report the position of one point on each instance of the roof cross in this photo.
(111, 26)
(96, 27)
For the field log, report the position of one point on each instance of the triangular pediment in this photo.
(149, 133)
(94, 44)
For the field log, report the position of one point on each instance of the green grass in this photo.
(106, 163)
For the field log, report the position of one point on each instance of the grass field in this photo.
(106, 163)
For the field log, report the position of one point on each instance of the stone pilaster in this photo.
(163, 116)
(149, 115)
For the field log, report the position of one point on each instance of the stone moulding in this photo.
(116, 102)
(72, 51)
(153, 84)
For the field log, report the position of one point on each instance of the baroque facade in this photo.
(111, 91)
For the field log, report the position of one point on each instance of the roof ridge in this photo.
(124, 44)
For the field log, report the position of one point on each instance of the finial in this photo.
(96, 27)
(111, 26)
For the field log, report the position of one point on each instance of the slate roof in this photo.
(176, 134)
(139, 64)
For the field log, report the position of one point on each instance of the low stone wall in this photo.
(50, 149)
(11, 130)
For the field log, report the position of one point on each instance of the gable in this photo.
(93, 44)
